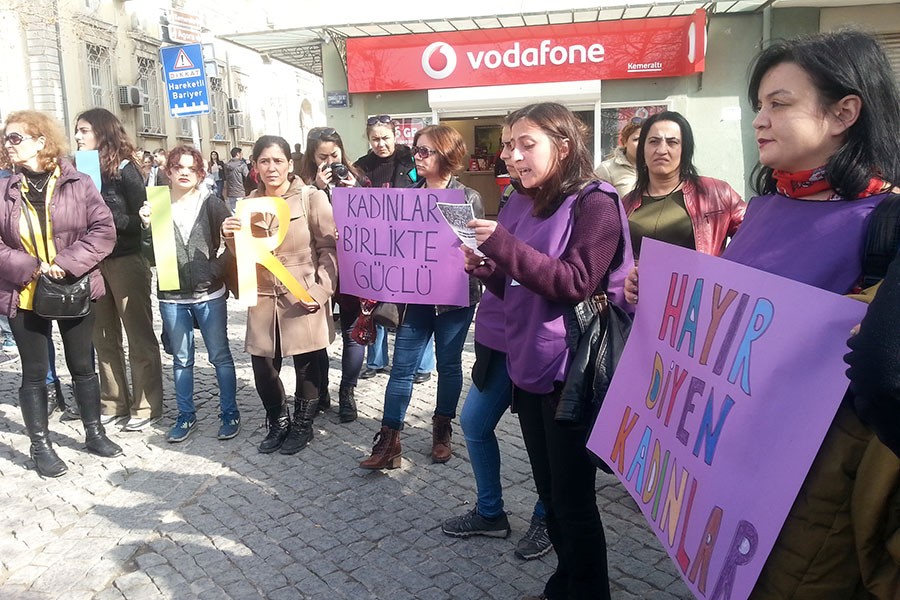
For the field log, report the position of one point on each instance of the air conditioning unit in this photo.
(130, 96)
(235, 121)
(234, 105)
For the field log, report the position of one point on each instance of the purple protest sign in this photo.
(394, 246)
(728, 383)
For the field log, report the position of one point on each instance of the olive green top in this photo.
(661, 218)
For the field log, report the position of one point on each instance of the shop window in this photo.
(100, 73)
(613, 119)
(149, 82)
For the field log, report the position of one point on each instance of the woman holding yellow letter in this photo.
(281, 324)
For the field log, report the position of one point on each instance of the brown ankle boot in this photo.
(440, 444)
(386, 451)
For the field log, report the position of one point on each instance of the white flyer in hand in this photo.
(458, 216)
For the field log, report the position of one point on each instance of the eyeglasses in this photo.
(423, 151)
(319, 133)
(16, 138)
(378, 119)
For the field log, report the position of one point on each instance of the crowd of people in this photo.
(828, 111)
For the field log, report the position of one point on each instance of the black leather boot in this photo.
(70, 411)
(33, 403)
(278, 419)
(347, 404)
(87, 396)
(301, 428)
(324, 401)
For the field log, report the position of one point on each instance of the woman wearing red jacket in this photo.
(670, 201)
(73, 232)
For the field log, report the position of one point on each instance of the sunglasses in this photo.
(379, 119)
(16, 138)
(423, 151)
(319, 133)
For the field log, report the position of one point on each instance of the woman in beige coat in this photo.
(281, 324)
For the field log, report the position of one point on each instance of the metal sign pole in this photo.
(195, 133)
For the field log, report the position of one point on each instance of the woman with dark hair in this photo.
(197, 217)
(325, 166)
(217, 171)
(126, 274)
(619, 168)
(439, 152)
(828, 113)
(69, 231)
(552, 248)
(282, 325)
(389, 164)
(670, 201)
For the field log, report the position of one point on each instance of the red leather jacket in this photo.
(715, 214)
(83, 233)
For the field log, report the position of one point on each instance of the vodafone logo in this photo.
(439, 60)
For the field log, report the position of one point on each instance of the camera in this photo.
(339, 171)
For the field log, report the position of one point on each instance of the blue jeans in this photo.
(449, 330)
(178, 323)
(479, 417)
(377, 356)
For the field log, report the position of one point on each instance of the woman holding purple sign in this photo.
(553, 248)
(440, 152)
(828, 113)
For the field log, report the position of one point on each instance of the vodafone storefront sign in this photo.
(663, 47)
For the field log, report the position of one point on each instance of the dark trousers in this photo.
(353, 354)
(267, 371)
(565, 480)
(32, 334)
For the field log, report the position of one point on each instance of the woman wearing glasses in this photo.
(389, 164)
(126, 274)
(619, 168)
(440, 152)
(281, 324)
(52, 221)
(197, 216)
(325, 166)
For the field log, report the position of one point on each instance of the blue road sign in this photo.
(185, 80)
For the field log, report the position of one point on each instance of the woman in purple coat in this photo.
(546, 255)
(73, 232)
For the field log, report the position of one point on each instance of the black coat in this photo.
(403, 164)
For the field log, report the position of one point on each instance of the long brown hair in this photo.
(113, 142)
(570, 173)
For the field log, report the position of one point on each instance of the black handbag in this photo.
(66, 298)
(389, 314)
(602, 328)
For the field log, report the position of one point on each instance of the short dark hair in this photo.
(571, 173)
(841, 64)
(686, 170)
(450, 146)
(235, 151)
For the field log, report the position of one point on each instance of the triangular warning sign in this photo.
(182, 62)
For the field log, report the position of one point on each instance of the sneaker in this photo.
(137, 424)
(536, 542)
(8, 345)
(231, 426)
(472, 523)
(184, 425)
(110, 419)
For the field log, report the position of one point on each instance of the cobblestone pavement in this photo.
(211, 519)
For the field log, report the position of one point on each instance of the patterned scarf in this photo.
(808, 183)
